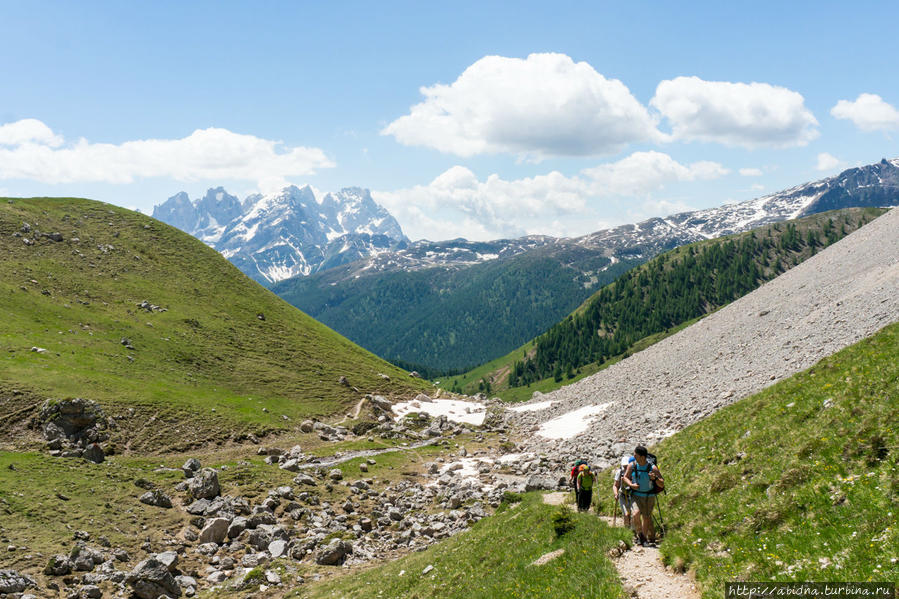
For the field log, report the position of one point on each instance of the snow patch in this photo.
(465, 412)
(573, 423)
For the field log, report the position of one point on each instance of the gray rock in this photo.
(169, 559)
(291, 465)
(150, 579)
(541, 483)
(59, 565)
(237, 526)
(304, 479)
(94, 453)
(336, 474)
(91, 591)
(198, 507)
(307, 426)
(156, 498)
(204, 484)
(334, 553)
(190, 466)
(277, 548)
(215, 531)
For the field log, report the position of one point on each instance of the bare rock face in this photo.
(151, 578)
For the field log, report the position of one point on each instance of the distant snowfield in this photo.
(464, 412)
(572, 423)
(533, 407)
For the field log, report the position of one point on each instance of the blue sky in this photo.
(536, 118)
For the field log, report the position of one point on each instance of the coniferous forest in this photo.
(676, 287)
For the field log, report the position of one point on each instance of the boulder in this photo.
(190, 466)
(215, 531)
(307, 426)
(94, 453)
(304, 479)
(336, 474)
(237, 526)
(156, 498)
(334, 553)
(71, 419)
(13, 582)
(169, 559)
(151, 578)
(204, 484)
(541, 483)
(59, 565)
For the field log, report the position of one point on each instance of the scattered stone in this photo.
(307, 426)
(156, 498)
(428, 569)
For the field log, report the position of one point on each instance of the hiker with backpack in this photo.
(645, 482)
(572, 478)
(622, 491)
(584, 488)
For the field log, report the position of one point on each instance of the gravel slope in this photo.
(836, 298)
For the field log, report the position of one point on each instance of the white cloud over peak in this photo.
(869, 112)
(544, 105)
(827, 162)
(459, 204)
(30, 150)
(749, 115)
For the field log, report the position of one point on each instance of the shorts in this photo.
(643, 504)
(625, 504)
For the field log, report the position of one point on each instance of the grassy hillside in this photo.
(658, 298)
(225, 358)
(493, 559)
(451, 319)
(799, 482)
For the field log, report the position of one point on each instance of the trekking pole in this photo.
(661, 520)
(615, 513)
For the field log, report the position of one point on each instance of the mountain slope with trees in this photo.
(667, 292)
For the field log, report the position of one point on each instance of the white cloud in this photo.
(35, 152)
(458, 204)
(544, 105)
(827, 162)
(749, 115)
(751, 172)
(869, 112)
(28, 131)
(756, 187)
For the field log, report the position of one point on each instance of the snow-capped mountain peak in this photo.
(271, 237)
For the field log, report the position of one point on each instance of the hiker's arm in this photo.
(658, 477)
(627, 476)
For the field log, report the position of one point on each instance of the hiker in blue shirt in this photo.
(645, 482)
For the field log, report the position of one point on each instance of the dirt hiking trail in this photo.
(640, 568)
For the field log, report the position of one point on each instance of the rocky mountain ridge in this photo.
(871, 185)
(286, 234)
